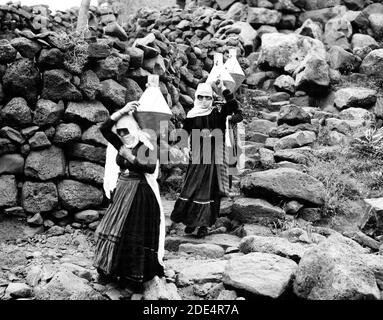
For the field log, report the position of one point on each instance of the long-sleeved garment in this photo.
(199, 201)
(127, 237)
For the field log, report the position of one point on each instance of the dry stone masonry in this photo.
(311, 67)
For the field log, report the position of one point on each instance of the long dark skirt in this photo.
(199, 202)
(132, 252)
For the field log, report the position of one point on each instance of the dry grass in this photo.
(353, 173)
(76, 51)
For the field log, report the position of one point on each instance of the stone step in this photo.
(172, 243)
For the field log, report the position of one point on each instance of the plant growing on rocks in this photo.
(76, 51)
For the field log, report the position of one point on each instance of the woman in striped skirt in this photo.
(206, 180)
(130, 237)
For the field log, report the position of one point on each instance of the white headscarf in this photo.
(112, 170)
(203, 89)
(128, 122)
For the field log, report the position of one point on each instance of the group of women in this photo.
(130, 237)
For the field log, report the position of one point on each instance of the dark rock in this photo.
(39, 197)
(58, 86)
(50, 59)
(27, 48)
(12, 164)
(48, 112)
(86, 111)
(284, 183)
(88, 152)
(293, 115)
(133, 90)
(39, 141)
(11, 134)
(99, 49)
(112, 94)
(7, 52)
(89, 84)
(248, 210)
(6, 146)
(45, 164)
(8, 191)
(22, 79)
(111, 68)
(74, 195)
(94, 136)
(86, 172)
(17, 112)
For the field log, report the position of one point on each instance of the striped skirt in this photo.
(127, 236)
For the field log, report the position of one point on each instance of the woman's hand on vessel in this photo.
(130, 107)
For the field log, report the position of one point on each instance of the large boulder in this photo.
(65, 285)
(315, 77)
(39, 197)
(86, 172)
(17, 112)
(356, 97)
(262, 274)
(292, 115)
(22, 79)
(48, 113)
(74, 195)
(333, 270)
(342, 60)
(284, 183)
(295, 140)
(372, 64)
(337, 32)
(8, 191)
(45, 164)
(287, 51)
(273, 245)
(249, 210)
(86, 111)
(58, 86)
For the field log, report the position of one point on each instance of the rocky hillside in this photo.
(313, 105)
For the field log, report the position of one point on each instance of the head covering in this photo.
(199, 109)
(128, 122)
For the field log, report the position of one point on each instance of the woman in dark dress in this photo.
(127, 238)
(206, 180)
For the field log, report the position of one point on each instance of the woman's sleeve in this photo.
(231, 107)
(106, 130)
(148, 163)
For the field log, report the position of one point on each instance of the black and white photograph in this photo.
(191, 158)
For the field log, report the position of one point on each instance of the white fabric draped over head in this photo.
(199, 110)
